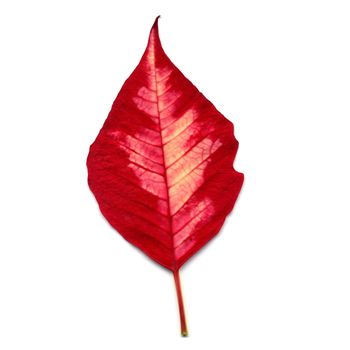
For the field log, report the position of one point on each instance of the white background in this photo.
(276, 277)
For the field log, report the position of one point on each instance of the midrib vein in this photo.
(165, 170)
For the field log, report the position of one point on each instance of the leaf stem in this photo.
(184, 331)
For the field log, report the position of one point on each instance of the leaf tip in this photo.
(154, 40)
(155, 24)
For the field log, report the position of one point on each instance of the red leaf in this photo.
(161, 166)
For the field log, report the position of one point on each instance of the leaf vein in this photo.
(145, 220)
(132, 150)
(191, 148)
(192, 218)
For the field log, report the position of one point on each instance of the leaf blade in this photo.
(161, 166)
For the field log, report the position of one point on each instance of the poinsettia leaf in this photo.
(161, 168)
